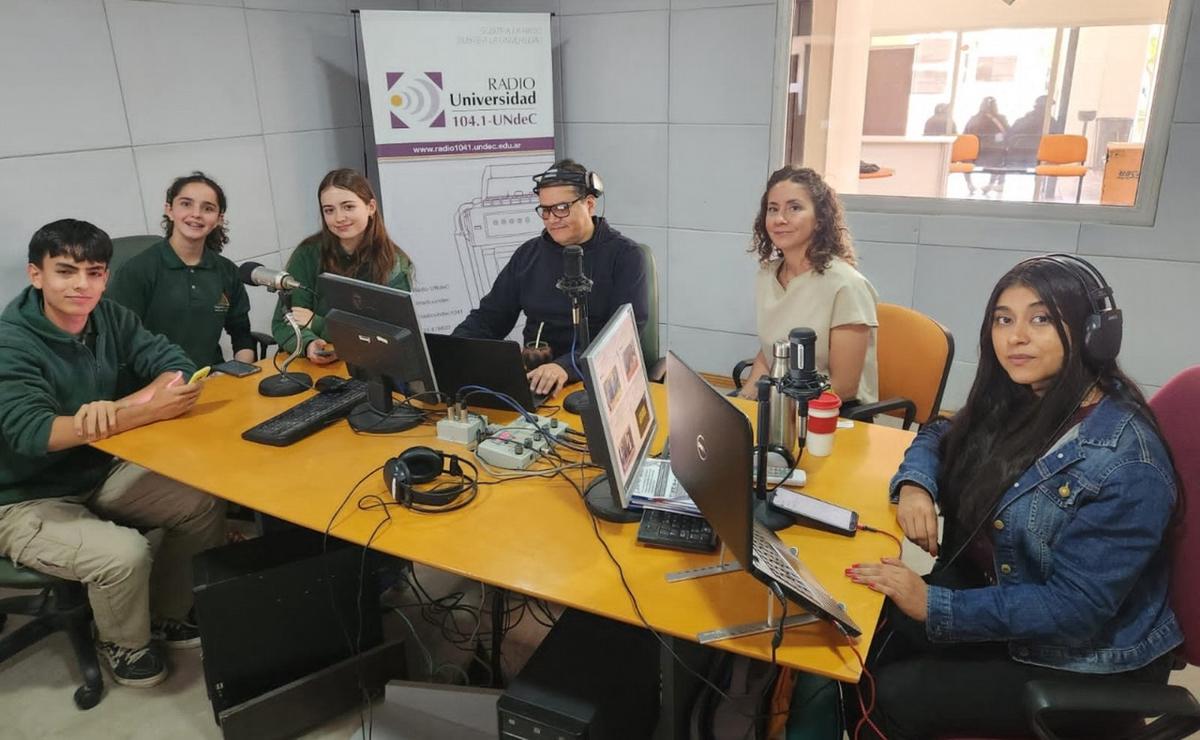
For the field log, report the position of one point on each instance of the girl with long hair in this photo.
(807, 277)
(1058, 494)
(352, 242)
(182, 287)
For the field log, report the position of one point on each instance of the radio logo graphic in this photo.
(416, 100)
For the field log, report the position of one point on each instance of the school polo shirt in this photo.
(189, 304)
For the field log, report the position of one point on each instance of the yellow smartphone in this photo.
(200, 374)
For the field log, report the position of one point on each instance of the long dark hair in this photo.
(219, 236)
(1004, 428)
(830, 238)
(376, 256)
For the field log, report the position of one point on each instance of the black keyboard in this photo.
(676, 531)
(310, 415)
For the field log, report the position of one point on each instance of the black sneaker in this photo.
(176, 633)
(138, 667)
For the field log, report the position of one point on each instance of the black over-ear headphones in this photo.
(418, 465)
(1102, 329)
(589, 181)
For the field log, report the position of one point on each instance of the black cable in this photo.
(637, 609)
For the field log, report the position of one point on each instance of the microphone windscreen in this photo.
(572, 261)
(246, 272)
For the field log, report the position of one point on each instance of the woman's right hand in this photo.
(917, 516)
(320, 353)
(749, 390)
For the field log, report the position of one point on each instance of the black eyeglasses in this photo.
(560, 210)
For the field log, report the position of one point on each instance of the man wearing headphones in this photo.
(567, 195)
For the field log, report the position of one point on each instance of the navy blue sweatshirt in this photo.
(612, 261)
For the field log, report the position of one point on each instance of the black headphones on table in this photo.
(1102, 329)
(588, 181)
(418, 465)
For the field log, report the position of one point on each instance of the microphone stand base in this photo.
(285, 384)
(576, 402)
(600, 502)
(772, 518)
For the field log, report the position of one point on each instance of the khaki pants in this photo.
(93, 539)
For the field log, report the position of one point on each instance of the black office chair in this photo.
(126, 248)
(656, 365)
(60, 605)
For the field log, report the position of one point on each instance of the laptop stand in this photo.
(756, 628)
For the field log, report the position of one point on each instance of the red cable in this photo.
(889, 535)
(867, 708)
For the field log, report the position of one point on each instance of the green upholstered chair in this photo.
(656, 364)
(58, 605)
(126, 248)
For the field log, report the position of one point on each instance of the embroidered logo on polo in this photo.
(222, 304)
(416, 100)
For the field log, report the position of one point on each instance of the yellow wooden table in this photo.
(532, 536)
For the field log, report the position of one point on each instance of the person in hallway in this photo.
(182, 287)
(353, 243)
(807, 277)
(567, 195)
(1025, 134)
(992, 128)
(74, 512)
(1059, 497)
(941, 123)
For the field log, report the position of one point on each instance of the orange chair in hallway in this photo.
(1062, 155)
(963, 153)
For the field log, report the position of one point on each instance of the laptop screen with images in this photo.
(621, 391)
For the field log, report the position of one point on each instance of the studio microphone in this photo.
(573, 280)
(253, 273)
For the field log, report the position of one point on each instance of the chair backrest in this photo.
(126, 248)
(1177, 406)
(650, 333)
(965, 148)
(914, 354)
(1062, 149)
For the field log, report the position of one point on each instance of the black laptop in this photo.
(712, 455)
(490, 363)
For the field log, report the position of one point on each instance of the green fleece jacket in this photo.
(46, 372)
(305, 265)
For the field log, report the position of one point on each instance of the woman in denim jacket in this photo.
(1058, 494)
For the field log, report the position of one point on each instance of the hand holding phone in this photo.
(200, 374)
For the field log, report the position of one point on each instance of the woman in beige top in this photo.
(808, 278)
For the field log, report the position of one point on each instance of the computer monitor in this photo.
(374, 328)
(619, 421)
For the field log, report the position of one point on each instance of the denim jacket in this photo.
(1081, 556)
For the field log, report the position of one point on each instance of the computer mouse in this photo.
(329, 384)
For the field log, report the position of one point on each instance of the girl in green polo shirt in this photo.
(353, 243)
(182, 287)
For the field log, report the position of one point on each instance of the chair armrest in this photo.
(738, 369)
(1175, 706)
(657, 372)
(261, 341)
(868, 411)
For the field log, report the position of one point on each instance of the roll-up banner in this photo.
(462, 107)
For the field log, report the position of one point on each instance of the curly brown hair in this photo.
(219, 236)
(830, 238)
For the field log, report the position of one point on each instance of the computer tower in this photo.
(277, 608)
(590, 678)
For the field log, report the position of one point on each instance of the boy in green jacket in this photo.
(68, 509)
